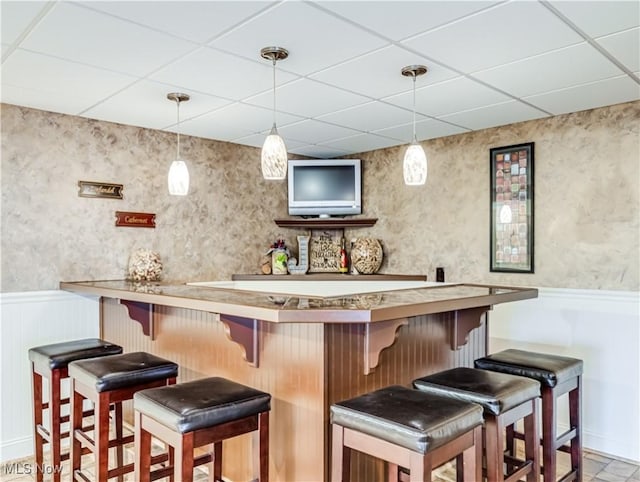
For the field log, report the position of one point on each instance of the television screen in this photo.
(327, 187)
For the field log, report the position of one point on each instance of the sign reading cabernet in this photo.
(135, 220)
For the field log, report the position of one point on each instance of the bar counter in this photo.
(306, 349)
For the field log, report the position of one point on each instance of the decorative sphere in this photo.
(366, 255)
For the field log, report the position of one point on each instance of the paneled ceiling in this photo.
(340, 91)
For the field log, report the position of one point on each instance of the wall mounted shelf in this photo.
(326, 223)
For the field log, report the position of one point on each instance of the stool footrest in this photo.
(569, 476)
(522, 470)
(78, 475)
(565, 437)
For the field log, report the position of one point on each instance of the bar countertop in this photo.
(278, 306)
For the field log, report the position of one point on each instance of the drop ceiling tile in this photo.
(16, 17)
(378, 74)
(496, 36)
(222, 132)
(217, 73)
(314, 132)
(197, 21)
(524, 77)
(307, 98)
(246, 119)
(624, 46)
(152, 108)
(57, 85)
(597, 18)
(401, 19)
(257, 140)
(75, 33)
(588, 96)
(426, 129)
(319, 152)
(495, 115)
(448, 97)
(313, 44)
(361, 143)
(370, 116)
(4, 49)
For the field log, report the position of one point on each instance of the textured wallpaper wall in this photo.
(587, 207)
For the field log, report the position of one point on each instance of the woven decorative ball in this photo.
(366, 255)
(145, 265)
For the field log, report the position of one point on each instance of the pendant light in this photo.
(178, 178)
(274, 152)
(414, 167)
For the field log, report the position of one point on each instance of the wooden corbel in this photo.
(244, 332)
(462, 323)
(377, 337)
(143, 314)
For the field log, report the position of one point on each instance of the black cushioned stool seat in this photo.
(202, 412)
(111, 380)
(505, 399)
(407, 428)
(51, 362)
(557, 375)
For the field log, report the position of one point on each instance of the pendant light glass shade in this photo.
(274, 151)
(274, 156)
(178, 178)
(414, 165)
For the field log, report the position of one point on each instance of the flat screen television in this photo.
(324, 187)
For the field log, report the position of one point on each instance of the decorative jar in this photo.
(145, 265)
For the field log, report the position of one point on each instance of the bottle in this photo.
(344, 263)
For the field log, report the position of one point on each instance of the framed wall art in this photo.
(511, 206)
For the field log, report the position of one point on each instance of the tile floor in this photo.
(597, 468)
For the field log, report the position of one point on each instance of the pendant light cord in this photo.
(274, 90)
(415, 139)
(178, 127)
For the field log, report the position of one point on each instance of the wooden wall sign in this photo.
(99, 189)
(135, 220)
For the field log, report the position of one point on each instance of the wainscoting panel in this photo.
(29, 319)
(603, 329)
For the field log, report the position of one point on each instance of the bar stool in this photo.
(51, 362)
(105, 381)
(193, 414)
(505, 399)
(557, 375)
(410, 429)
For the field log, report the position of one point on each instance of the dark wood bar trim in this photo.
(462, 323)
(377, 337)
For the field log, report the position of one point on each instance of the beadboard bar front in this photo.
(305, 365)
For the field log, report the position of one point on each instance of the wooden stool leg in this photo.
(216, 465)
(263, 449)
(76, 424)
(494, 441)
(575, 420)
(142, 468)
(54, 429)
(532, 442)
(119, 435)
(36, 382)
(420, 467)
(184, 458)
(549, 434)
(339, 466)
(471, 460)
(101, 437)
